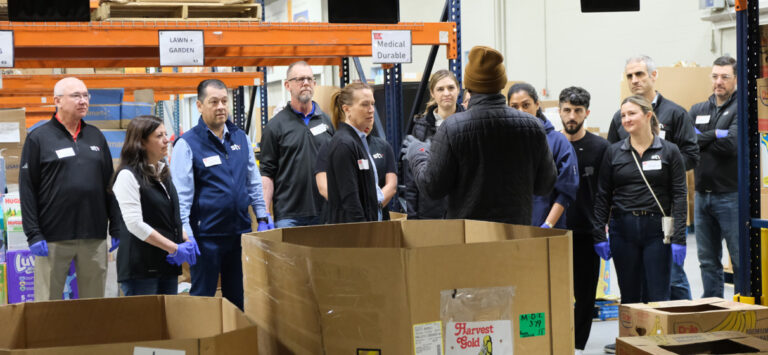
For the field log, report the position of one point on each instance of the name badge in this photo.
(211, 161)
(319, 129)
(662, 134)
(702, 119)
(651, 165)
(65, 152)
(362, 164)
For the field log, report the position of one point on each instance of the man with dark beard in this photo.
(587, 251)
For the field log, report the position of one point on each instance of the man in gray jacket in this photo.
(489, 160)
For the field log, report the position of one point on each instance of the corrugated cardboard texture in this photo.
(684, 86)
(197, 325)
(701, 343)
(697, 316)
(338, 288)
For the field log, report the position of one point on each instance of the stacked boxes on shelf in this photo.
(12, 135)
(104, 108)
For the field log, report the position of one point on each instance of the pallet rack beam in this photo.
(169, 83)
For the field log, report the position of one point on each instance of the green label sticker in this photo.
(532, 325)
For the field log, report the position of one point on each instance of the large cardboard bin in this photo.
(196, 325)
(697, 316)
(701, 343)
(339, 289)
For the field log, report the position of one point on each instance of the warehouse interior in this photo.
(213, 264)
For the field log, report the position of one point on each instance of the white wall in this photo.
(552, 45)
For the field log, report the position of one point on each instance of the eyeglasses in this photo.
(302, 79)
(79, 96)
(724, 77)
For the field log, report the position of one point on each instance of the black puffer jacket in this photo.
(489, 160)
(420, 206)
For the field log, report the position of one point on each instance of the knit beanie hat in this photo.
(485, 71)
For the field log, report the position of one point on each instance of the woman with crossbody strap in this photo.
(642, 187)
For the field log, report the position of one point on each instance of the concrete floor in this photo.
(605, 332)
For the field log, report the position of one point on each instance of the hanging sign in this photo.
(391, 46)
(6, 49)
(181, 48)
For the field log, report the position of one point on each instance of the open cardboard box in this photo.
(701, 343)
(337, 289)
(196, 325)
(697, 316)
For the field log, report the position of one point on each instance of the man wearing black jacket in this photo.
(64, 180)
(489, 160)
(716, 203)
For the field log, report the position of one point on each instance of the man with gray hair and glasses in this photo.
(64, 183)
(289, 148)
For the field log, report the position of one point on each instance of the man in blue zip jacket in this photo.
(216, 178)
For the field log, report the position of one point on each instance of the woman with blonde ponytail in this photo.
(642, 253)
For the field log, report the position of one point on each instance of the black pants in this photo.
(586, 269)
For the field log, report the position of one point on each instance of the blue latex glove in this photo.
(678, 253)
(265, 226)
(412, 146)
(697, 130)
(545, 225)
(193, 241)
(40, 248)
(115, 244)
(721, 133)
(184, 253)
(603, 249)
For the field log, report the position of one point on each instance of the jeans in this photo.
(222, 254)
(715, 219)
(641, 258)
(586, 270)
(168, 285)
(297, 222)
(681, 290)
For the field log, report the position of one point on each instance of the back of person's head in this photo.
(575, 96)
(485, 73)
(345, 96)
(646, 107)
(133, 154)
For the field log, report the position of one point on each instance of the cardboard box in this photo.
(702, 343)
(606, 310)
(698, 316)
(21, 276)
(131, 110)
(77, 71)
(762, 104)
(109, 70)
(106, 96)
(338, 288)
(12, 157)
(105, 116)
(3, 283)
(128, 325)
(322, 96)
(115, 139)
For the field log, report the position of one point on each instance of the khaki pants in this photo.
(90, 257)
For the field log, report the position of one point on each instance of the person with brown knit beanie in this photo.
(489, 160)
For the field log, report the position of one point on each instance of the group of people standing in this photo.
(497, 159)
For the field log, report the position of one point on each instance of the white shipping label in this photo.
(6, 49)
(649, 165)
(9, 132)
(211, 161)
(181, 48)
(156, 351)
(65, 152)
(485, 337)
(702, 119)
(428, 338)
(319, 129)
(391, 46)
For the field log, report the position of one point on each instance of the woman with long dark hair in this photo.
(154, 245)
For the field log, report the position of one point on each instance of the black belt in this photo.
(639, 213)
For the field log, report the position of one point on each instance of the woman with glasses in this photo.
(642, 179)
(155, 244)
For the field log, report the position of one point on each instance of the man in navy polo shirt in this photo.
(216, 178)
(289, 147)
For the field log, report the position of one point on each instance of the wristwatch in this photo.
(262, 219)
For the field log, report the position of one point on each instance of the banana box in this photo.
(698, 316)
(701, 343)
